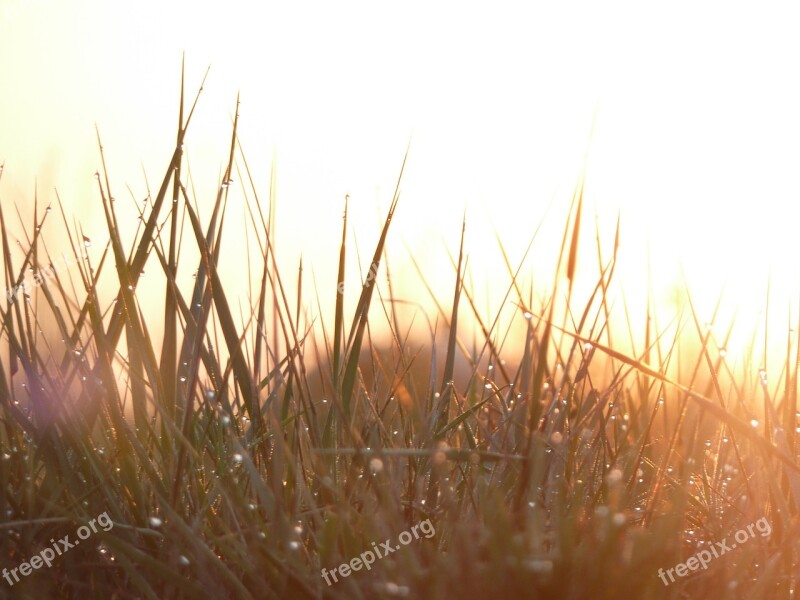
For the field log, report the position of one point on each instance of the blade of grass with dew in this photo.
(360, 318)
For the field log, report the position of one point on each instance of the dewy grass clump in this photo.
(251, 453)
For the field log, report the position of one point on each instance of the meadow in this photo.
(245, 453)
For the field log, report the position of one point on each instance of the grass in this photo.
(238, 457)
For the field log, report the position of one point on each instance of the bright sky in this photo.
(695, 138)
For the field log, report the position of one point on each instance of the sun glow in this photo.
(686, 130)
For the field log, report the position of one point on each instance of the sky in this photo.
(684, 118)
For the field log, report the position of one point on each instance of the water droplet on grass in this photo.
(614, 476)
(539, 566)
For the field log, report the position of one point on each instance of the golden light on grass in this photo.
(528, 273)
(693, 137)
